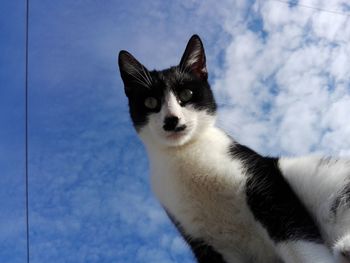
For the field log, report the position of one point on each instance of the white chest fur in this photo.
(203, 188)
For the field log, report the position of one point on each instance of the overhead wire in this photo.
(295, 3)
(26, 127)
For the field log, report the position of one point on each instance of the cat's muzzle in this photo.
(171, 124)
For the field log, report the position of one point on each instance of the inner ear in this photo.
(133, 73)
(193, 59)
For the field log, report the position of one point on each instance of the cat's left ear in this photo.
(133, 73)
(193, 59)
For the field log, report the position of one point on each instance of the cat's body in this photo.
(229, 203)
(207, 200)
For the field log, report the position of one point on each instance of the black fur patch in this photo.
(137, 96)
(271, 199)
(204, 253)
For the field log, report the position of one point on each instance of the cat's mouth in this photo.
(180, 128)
(177, 132)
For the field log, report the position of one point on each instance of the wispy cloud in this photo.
(289, 87)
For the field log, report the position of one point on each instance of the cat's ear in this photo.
(133, 73)
(193, 59)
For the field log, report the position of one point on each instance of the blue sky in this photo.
(12, 194)
(275, 69)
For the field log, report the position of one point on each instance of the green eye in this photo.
(185, 95)
(151, 103)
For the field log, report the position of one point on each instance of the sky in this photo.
(278, 70)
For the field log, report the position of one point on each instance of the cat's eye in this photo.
(151, 103)
(185, 95)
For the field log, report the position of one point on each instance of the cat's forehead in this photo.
(169, 78)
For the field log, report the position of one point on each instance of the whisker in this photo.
(138, 80)
(147, 76)
(133, 71)
(144, 78)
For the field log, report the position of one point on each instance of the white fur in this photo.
(171, 107)
(341, 245)
(318, 182)
(306, 252)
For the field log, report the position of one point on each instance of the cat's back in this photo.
(316, 179)
(322, 183)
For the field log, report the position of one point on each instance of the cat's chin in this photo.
(176, 138)
(168, 139)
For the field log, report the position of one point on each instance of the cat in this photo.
(231, 204)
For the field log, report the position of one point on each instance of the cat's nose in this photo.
(170, 123)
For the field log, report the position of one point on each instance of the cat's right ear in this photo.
(133, 73)
(193, 59)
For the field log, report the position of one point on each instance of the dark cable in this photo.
(26, 126)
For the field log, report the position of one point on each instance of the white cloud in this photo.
(299, 69)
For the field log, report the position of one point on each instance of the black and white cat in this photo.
(231, 204)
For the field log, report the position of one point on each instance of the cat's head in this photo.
(171, 106)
